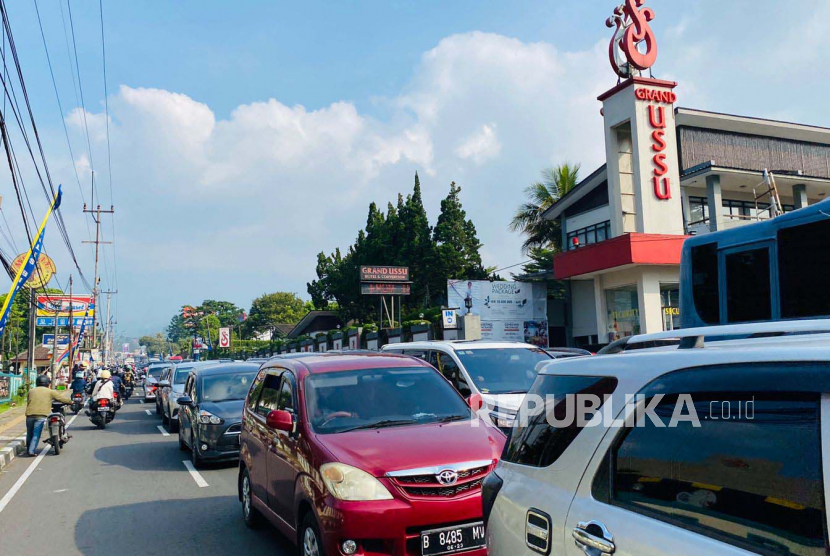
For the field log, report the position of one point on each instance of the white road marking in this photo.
(195, 474)
(16, 486)
(147, 411)
(61, 490)
(141, 401)
(162, 431)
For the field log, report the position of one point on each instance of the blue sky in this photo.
(247, 136)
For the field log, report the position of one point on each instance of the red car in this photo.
(366, 455)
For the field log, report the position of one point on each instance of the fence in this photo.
(9, 385)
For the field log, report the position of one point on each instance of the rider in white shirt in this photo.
(103, 388)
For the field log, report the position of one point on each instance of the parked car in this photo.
(501, 372)
(171, 388)
(154, 374)
(728, 461)
(210, 418)
(364, 454)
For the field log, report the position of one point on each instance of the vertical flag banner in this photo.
(29, 267)
(78, 339)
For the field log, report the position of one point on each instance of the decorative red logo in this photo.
(631, 21)
(662, 184)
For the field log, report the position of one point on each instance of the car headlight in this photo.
(350, 483)
(208, 418)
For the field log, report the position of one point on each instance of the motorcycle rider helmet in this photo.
(42, 380)
(105, 374)
(79, 375)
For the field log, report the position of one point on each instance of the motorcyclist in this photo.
(103, 387)
(78, 383)
(117, 382)
(38, 408)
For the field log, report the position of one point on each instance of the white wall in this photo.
(583, 308)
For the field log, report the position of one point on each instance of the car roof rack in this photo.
(694, 337)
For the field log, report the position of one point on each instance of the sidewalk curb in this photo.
(12, 450)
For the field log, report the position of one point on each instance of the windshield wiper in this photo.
(509, 392)
(381, 424)
(450, 418)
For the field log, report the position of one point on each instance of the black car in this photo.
(210, 414)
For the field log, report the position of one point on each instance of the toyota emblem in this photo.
(447, 477)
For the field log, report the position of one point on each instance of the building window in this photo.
(590, 234)
(670, 302)
(732, 209)
(623, 312)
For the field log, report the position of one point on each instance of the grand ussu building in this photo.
(670, 173)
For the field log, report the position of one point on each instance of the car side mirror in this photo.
(164, 384)
(475, 401)
(184, 401)
(280, 420)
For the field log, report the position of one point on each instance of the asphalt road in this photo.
(126, 491)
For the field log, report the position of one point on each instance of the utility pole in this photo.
(107, 333)
(30, 359)
(55, 353)
(71, 325)
(97, 212)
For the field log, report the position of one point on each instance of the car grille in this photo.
(428, 486)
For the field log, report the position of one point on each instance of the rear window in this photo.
(181, 376)
(705, 282)
(804, 294)
(535, 441)
(155, 372)
(748, 285)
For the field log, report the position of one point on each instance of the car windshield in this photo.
(509, 370)
(374, 398)
(226, 387)
(155, 372)
(181, 376)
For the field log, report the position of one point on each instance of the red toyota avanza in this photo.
(366, 455)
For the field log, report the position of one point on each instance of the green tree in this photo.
(271, 309)
(528, 220)
(155, 344)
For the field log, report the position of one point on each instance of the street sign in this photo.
(62, 321)
(48, 340)
(449, 318)
(385, 288)
(384, 273)
(224, 337)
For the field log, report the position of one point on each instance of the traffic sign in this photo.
(450, 319)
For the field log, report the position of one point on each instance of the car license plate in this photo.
(452, 539)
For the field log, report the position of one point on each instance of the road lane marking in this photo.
(141, 401)
(162, 431)
(147, 411)
(195, 474)
(19, 483)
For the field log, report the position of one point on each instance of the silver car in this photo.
(722, 453)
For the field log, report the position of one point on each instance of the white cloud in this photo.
(481, 145)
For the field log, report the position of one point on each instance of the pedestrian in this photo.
(38, 408)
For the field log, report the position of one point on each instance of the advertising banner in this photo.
(224, 337)
(63, 321)
(508, 310)
(48, 340)
(60, 305)
(385, 288)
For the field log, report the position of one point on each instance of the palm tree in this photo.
(540, 233)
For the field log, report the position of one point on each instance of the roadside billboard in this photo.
(224, 337)
(509, 311)
(60, 305)
(384, 274)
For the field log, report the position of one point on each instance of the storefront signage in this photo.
(656, 95)
(385, 288)
(384, 274)
(632, 29)
(657, 120)
(62, 305)
(45, 270)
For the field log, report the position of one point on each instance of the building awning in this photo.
(624, 250)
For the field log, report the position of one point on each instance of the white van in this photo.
(734, 460)
(501, 372)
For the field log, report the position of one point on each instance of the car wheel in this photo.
(173, 425)
(194, 454)
(310, 540)
(250, 515)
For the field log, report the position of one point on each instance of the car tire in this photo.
(310, 541)
(182, 445)
(195, 458)
(250, 515)
(172, 425)
(158, 408)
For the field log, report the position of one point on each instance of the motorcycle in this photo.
(101, 412)
(57, 428)
(116, 401)
(128, 391)
(77, 402)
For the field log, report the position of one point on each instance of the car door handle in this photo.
(593, 538)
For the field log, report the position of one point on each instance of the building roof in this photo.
(315, 321)
(578, 192)
(42, 353)
(692, 117)
(283, 329)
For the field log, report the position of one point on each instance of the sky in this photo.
(247, 136)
